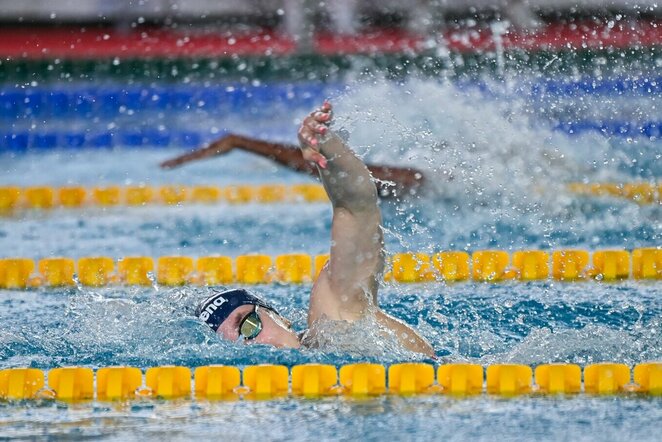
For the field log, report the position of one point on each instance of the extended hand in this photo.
(313, 126)
(219, 147)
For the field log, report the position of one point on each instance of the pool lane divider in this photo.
(13, 198)
(640, 192)
(301, 268)
(113, 101)
(38, 141)
(47, 197)
(263, 382)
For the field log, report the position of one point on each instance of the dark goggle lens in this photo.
(251, 326)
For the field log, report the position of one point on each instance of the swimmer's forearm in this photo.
(346, 179)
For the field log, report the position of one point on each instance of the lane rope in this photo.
(14, 198)
(219, 382)
(114, 101)
(640, 192)
(48, 197)
(27, 140)
(300, 268)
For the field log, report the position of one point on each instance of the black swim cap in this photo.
(216, 309)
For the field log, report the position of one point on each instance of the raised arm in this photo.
(391, 181)
(347, 287)
(348, 284)
(285, 154)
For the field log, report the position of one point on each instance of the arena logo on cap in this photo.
(211, 308)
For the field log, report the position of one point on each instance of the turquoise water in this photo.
(497, 178)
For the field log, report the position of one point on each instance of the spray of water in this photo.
(471, 147)
(493, 168)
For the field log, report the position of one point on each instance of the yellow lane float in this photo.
(296, 268)
(221, 382)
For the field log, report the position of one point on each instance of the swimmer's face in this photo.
(275, 329)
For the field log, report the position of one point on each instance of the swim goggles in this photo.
(251, 326)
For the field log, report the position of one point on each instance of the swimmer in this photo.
(390, 181)
(346, 289)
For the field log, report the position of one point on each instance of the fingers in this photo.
(317, 122)
(321, 116)
(314, 125)
(310, 128)
(307, 135)
(324, 114)
(310, 154)
(317, 127)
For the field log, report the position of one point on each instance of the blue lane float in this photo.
(651, 129)
(619, 86)
(615, 86)
(24, 141)
(28, 140)
(111, 101)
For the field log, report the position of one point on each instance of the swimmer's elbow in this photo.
(358, 197)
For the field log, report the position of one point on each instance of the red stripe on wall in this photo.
(81, 43)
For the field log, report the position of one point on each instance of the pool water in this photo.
(497, 169)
